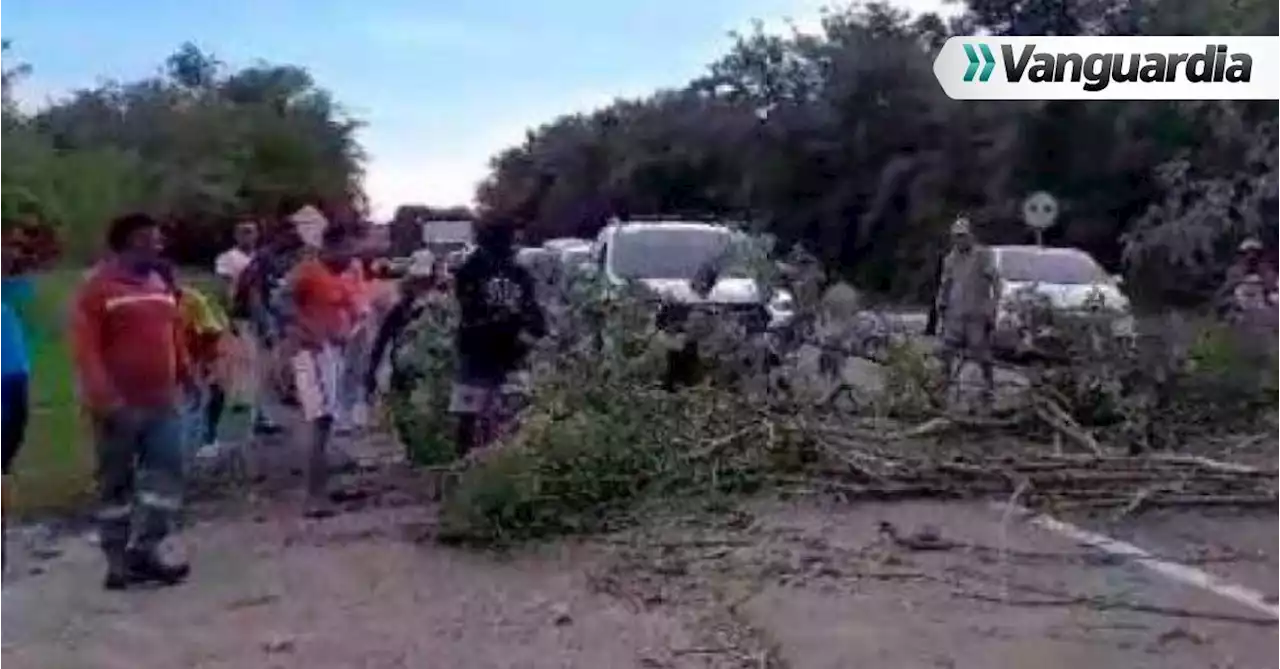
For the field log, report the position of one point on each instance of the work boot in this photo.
(147, 567)
(117, 572)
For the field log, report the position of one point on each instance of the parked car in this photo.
(1065, 281)
(575, 256)
(671, 257)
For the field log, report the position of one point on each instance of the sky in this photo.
(442, 86)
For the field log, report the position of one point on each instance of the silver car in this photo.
(1067, 280)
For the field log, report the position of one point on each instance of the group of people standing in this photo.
(296, 307)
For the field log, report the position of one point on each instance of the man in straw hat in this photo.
(310, 224)
(967, 296)
(321, 322)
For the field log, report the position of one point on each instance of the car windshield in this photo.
(1032, 265)
(668, 253)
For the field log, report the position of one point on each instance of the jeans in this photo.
(141, 470)
(351, 390)
(201, 416)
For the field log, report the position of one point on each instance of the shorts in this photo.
(970, 335)
(16, 411)
(317, 379)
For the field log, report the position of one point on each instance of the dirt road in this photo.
(800, 583)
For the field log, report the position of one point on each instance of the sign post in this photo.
(1039, 212)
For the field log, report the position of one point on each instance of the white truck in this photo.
(668, 257)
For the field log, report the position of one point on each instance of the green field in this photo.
(54, 470)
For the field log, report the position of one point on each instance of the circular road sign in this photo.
(1040, 210)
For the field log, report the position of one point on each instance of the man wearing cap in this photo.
(966, 303)
(297, 235)
(1250, 262)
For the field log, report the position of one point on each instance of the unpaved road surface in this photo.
(800, 583)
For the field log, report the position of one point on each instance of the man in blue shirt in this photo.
(16, 291)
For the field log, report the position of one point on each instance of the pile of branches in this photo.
(858, 462)
(601, 433)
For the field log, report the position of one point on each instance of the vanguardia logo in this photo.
(988, 62)
(1097, 71)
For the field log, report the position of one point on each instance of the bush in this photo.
(1181, 377)
(421, 382)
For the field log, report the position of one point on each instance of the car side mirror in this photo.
(1117, 279)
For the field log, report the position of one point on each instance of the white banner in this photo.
(1110, 68)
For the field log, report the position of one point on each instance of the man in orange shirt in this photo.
(324, 312)
(133, 371)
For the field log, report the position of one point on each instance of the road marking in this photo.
(1181, 573)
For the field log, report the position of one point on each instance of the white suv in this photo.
(666, 256)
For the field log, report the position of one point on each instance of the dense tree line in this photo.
(844, 141)
(198, 144)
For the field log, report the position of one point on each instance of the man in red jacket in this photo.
(132, 369)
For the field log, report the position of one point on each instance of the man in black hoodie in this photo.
(498, 312)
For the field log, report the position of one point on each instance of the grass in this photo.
(53, 472)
